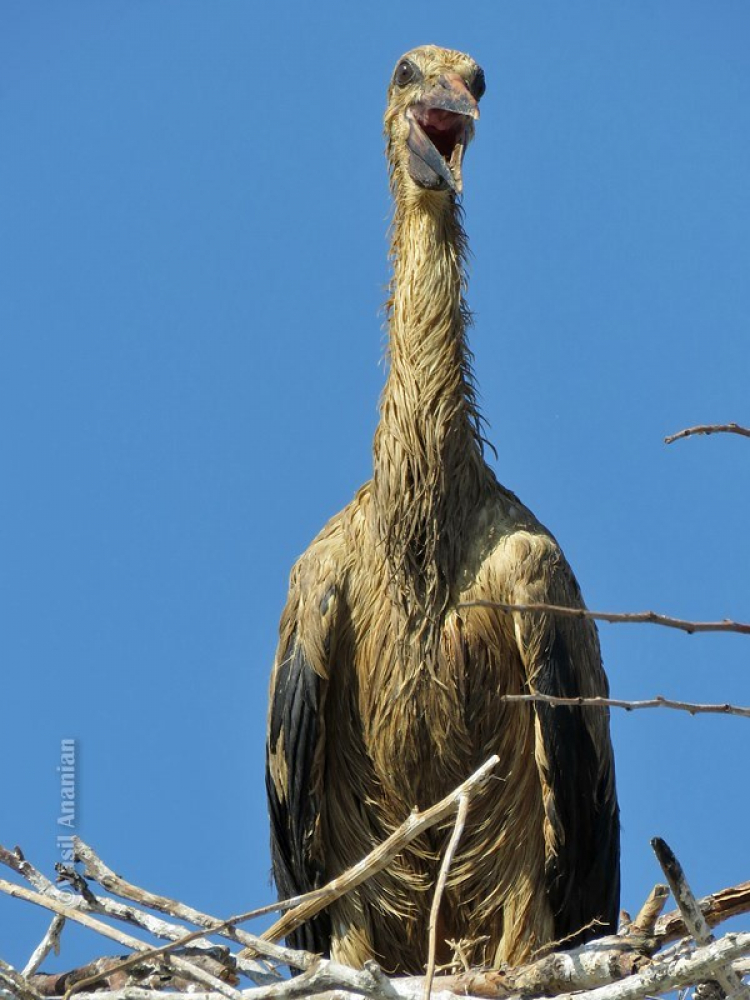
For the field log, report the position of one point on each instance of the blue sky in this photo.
(194, 207)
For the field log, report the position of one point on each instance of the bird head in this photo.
(432, 105)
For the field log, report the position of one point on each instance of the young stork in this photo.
(386, 692)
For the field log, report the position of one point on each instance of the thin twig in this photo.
(629, 706)
(635, 617)
(708, 429)
(458, 829)
(414, 825)
(50, 940)
(692, 914)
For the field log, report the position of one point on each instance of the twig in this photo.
(693, 916)
(658, 702)
(189, 970)
(708, 429)
(382, 855)
(458, 829)
(635, 617)
(50, 940)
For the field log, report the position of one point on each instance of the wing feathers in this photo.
(574, 753)
(295, 731)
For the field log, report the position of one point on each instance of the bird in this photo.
(388, 685)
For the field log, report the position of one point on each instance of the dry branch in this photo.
(50, 942)
(716, 908)
(693, 708)
(189, 970)
(708, 429)
(98, 871)
(692, 914)
(676, 973)
(635, 617)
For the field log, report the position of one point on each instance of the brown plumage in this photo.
(385, 693)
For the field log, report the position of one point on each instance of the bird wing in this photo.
(573, 751)
(296, 737)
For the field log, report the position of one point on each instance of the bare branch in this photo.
(692, 914)
(716, 908)
(18, 863)
(187, 968)
(150, 954)
(50, 940)
(658, 702)
(635, 617)
(661, 977)
(708, 429)
(144, 974)
(458, 829)
(96, 869)
(382, 855)
(132, 914)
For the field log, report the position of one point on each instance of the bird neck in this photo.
(428, 466)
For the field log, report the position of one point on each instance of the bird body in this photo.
(387, 690)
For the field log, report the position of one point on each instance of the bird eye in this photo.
(406, 71)
(478, 86)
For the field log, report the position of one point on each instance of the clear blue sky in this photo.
(193, 208)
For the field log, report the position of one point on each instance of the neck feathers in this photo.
(428, 470)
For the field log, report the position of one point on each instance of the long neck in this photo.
(428, 465)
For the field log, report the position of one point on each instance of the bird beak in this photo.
(440, 127)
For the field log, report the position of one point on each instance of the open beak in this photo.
(440, 127)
